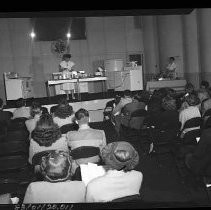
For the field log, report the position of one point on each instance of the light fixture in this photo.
(32, 34)
(68, 35)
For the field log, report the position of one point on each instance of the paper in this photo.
(91, 171)
(197, 139)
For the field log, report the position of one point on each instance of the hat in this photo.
(119, 155)
(56, 166)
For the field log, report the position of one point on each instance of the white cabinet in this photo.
(127, 79)
(16, 88)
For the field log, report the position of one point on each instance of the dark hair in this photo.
(169, 103)
(20, 103)
(66, 56)
(189, 87)
(63, 109)
(46, 131)
(172, 58)
(1, 102)
(81, 113)
(205, 84)
(127, 93)
(155, 104)
(35, 108)
(192, 100)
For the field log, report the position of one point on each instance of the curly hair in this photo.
(46, 131)
(63, 109)
(192, 100)
(169, 103)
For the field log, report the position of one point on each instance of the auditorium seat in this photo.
(69, 127)
(189, 138)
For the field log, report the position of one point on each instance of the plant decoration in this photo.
(59, 47)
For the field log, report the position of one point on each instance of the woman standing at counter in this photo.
(66, 68)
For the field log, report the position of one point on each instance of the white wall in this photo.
(107, 37)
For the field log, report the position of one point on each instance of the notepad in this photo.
(91, 171)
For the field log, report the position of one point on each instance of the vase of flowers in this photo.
(59, 47)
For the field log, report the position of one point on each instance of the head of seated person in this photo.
(189, 88)
(203, 94)
(63, 109)
(204, 84)
(35, 109)
(46, 131)
(82, 117)
(144, 96)
(127, 93)
(57, 166)
(192, 100)
(169, 103)
(119, 156)
(206, 105)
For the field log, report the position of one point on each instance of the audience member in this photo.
(57, 169)
(124, 100)
(202, 95)
(205, 106)
(64, 113)
(86, 137)
(35, 111)
(46, 136)
(199, 159)
(5, 116)
(191, 111)
(120, 180)
(21, 110)
(204, 85)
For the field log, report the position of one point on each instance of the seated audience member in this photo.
(203, 95)
(168, 118)
(5, 116)
(110, 105)
(199, 159)
(204, 85)
(119, 180)
(21, 110)
(191, 111)
(46, 136)
(86, 137)
(127, 110)
(35, 111)
(57, 170)
(124, 100)
(206, 105)
(63, 114)
(189, 89)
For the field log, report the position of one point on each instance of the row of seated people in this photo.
(164, 116)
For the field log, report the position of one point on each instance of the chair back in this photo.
(13, 163)
(85, 152)
(193, 122)
(69, 127)
(13, 148)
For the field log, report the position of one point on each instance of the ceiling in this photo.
(94, 12)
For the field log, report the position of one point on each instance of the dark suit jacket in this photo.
(201, 158)
(131, 107)
(5, 116)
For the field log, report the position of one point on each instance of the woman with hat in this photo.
(120, 180)
(57, 169)
(46, 136)
(63, 113)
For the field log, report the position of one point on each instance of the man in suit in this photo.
(86, 137)
(5, 116)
